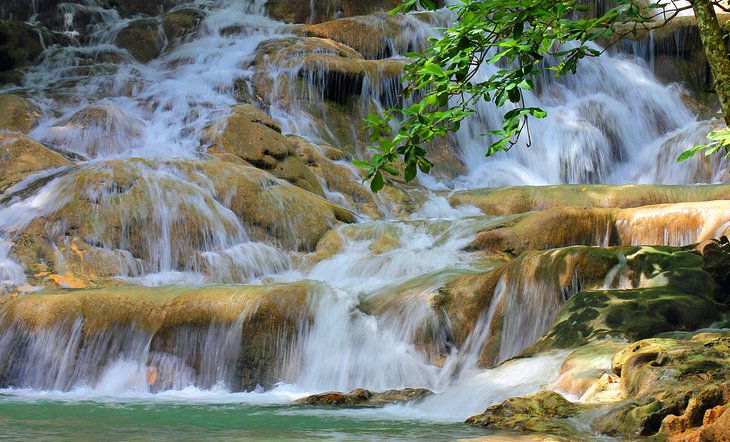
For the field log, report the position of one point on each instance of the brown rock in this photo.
(255, 138)
(17, 114)
(20, 156)
(142, 38)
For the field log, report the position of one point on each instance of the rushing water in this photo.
(139, 126)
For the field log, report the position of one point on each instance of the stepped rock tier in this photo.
(187, 248)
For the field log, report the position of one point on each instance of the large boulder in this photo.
(17, 114)
(667, 291)
(21, 156)
(251, 328)
(670, 384)
(142, 38)
(128, 218)
(543, 412)
(252, 136)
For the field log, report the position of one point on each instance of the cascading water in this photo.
(147, 205)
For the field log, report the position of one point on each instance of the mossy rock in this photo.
(21, 156)
(669, 383)
(556, 272)
(17, 114)
(373, 36)
(105, 217)
(542, 412)
(181, 24)
(361, 398)
(142, 38)
(21, 44)
(252, 136)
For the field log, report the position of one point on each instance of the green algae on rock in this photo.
(542, 412)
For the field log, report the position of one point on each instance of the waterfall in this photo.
(177, 267)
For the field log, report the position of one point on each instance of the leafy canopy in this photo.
(518, 36)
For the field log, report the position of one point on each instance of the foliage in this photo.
(719, 140)
(522, 38)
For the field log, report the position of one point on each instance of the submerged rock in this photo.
(365, 398)
(20, 156)
(542, 412)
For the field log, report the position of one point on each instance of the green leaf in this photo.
(377, 182)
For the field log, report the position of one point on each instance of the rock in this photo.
(365, 398)
(586, 372)
(521, 199)
(524, 295)
(21, 44)
(181, 24)
(132, 217)
(330, 164)
(716, 263)
(542, 412)
(20, 156)
(666, 224)
(668, 292)
(170, 320)
(96, 130)
(663, 377)
(142, 38)
(375, 36)
(303, 11)
(252, 136)
(17, 114)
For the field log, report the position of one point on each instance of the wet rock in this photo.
(142, 38)
(665, 224)
(525, 295)
(339, 175)
(374, 36)
(252, 136)
(521, 199)
(96, 130)
(667, 291)
(172, 321)
(304, 11)
(17, 114)
(670, 386)
(587, 373)
(716, 262)
(542, 412)
(365, 398)
(181, 24)
(21, 44)
(21, 156)
(132, 217)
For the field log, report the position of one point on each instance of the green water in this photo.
(42, 420)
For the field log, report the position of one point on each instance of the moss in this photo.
(542, 412)
(142, 38)
(20, 156)
(17, 114)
